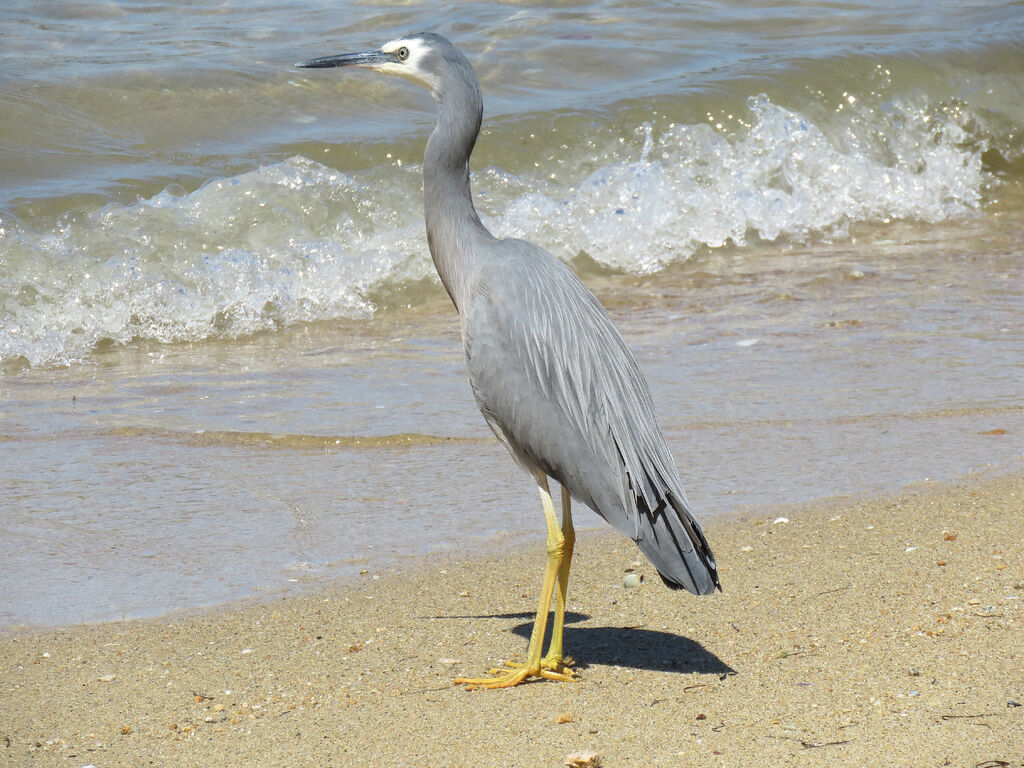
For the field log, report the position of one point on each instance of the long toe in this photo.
(504, 678)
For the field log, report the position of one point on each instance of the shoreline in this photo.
(859, 630)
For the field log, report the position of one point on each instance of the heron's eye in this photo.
(402, 53)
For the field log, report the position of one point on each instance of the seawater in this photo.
(228, 367)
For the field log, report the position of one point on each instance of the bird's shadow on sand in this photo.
(633, 647)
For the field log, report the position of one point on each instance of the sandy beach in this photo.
(877, 632)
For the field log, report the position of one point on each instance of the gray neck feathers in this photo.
(453, 226)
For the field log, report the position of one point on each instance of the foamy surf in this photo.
(298, 242)
(284, 244)
(692, 186)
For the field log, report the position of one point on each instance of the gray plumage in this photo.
(549, 371)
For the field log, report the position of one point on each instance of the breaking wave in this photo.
(297, 241)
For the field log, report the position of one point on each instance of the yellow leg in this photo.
(560, 541)
(553, 660)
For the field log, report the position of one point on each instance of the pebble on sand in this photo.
(632, 580)
(584, 759)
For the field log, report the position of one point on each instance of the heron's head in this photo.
(425, 58)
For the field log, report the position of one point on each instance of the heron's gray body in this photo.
(557, 384)
(550, 372)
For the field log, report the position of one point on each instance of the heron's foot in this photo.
(513, 673)
(558, 664)
(506, 678)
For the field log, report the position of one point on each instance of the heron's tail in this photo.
(673, 541)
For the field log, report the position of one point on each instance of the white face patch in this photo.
(412, 67)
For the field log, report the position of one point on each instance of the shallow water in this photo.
(228, 367)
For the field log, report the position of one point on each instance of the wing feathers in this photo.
(566, 352)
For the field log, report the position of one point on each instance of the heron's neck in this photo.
(453, 226)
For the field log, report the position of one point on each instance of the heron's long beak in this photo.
(364, 59)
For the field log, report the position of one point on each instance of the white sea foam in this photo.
(298, 242)
(288, 243)
(692, 186)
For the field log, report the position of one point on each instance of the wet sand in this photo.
(886, 631)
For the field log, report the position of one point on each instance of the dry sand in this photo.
(883, 632)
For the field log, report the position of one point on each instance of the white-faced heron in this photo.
(551, 374)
